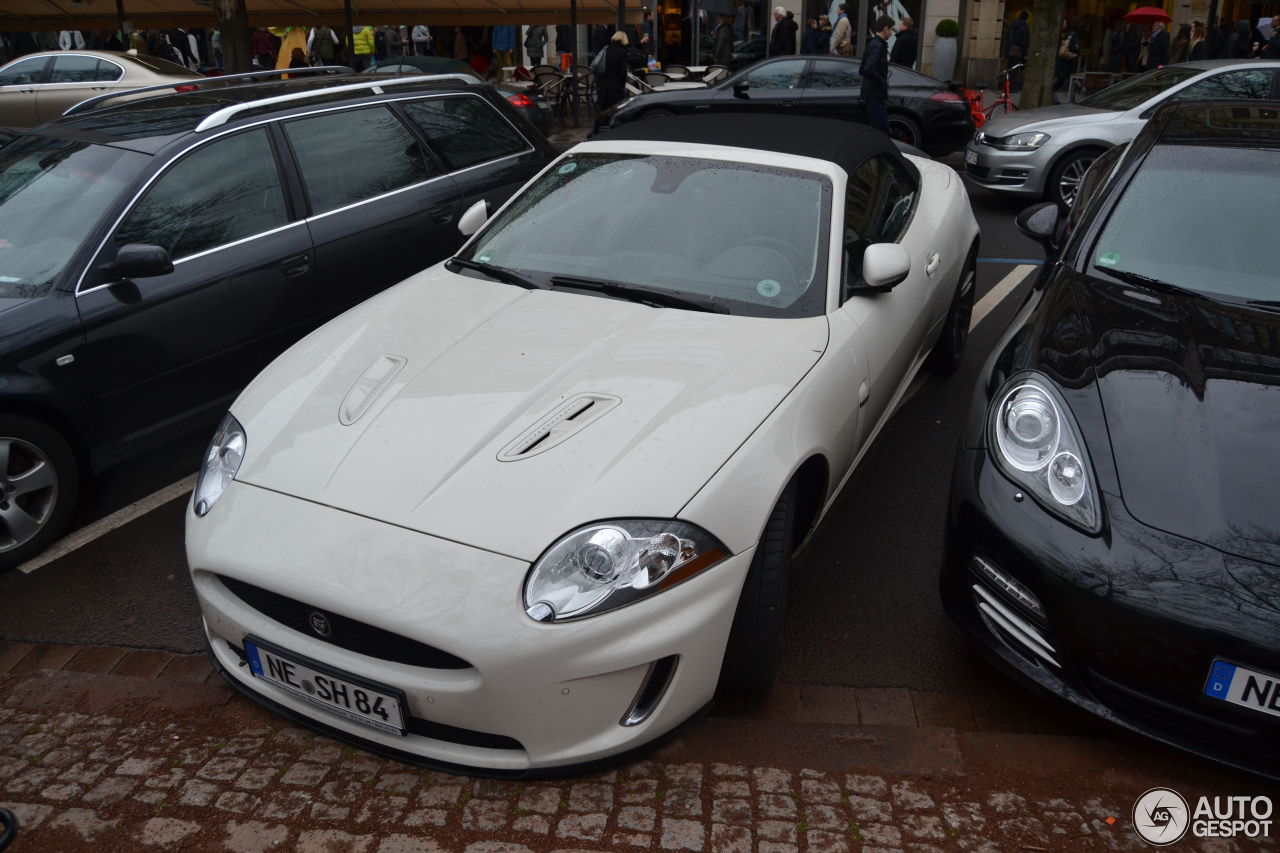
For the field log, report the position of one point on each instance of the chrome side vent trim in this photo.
(568, 418)
(652, 688)
(1014, 628)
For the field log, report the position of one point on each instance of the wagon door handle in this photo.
(296, 265)
(932, 266)
(441, 214)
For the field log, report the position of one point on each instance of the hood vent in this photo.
(565, 420)
(375, 379)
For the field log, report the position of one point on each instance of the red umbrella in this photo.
(1147, 14)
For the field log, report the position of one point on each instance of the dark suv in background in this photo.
(156, 254)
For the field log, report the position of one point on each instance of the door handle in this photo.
(788, 103)
(701, 108)
(932, 266)
(441, 214)
(296, 265)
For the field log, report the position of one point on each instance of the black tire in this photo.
(656, 114)
(31, 519)
(906, 129)
(750, 664)
(1067, 173)
(948, 352)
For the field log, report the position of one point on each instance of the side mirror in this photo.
(140, 260)
(475, 216)
(1040, 223)
(740, 88)
(884, 266)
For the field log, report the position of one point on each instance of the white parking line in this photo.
(103, 526)
(985, 305)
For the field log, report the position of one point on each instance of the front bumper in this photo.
(1135, 616)
(1013, 172)
(525, 699)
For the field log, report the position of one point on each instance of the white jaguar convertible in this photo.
(525, 511)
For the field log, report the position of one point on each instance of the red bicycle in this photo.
(1006, 93)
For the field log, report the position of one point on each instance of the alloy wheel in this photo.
(28, 492)
(1072, 175)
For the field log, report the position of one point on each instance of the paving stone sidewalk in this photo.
(166, 758)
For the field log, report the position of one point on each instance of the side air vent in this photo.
(375, 379)
(568, 418)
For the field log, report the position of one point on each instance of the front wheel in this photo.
(1064, 180)
(38, 487)
(750, 664)
(948, 352)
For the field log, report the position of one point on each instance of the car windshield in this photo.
(52, 194)
(1199, 218)
(680, 224)
(1127, 94)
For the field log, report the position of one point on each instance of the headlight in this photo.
(611, 564)
(221, 462)
(1021, 141)
(1036, 443)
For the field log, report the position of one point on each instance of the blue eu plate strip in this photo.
(1219, 680)
(255, 663)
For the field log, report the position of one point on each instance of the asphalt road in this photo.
(864, 610)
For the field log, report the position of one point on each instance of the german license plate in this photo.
(1247, 688)
(970, 157)
(346, 695)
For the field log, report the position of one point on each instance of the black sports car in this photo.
(1114, 531)
(923, 112)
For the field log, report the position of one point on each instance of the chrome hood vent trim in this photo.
(567, 419)
(375, 379)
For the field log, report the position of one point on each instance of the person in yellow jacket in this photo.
(364, 48)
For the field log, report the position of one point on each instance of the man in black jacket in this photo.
(782, 42)
(904, 46)
(875, 74)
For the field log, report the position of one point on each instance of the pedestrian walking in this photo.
(1157, 47)
(875, 74)
(564, 40)
(363, 46)
(1272, 50)
(1199, 42)
(823, 39)
(1068, 54)
(323, 43)
(264, 48)
(613, 82)
(1133, 49)
(1238, 43)
(1019, 41)
(535, 43)
(809, 41)
(423, 41)
(1180, 47)
(1115, 46)
(842, 34)
(782, 41)
(905, 46)
(722, 48)
(299, 59)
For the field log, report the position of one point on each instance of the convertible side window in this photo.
(879, 200)
(222, 192)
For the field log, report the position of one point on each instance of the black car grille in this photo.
(345, 633)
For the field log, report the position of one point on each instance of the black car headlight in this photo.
(607, 565)
(1036, 443)
(221, 462)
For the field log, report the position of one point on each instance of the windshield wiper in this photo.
(645, 295)
(497, 273)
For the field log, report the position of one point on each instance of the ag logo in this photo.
(1161, 816)
(320, 624)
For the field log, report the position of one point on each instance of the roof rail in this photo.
(221, 81)
(225, 114)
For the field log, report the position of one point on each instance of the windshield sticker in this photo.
(485, 258)
(567, 168)
(768, 288)
(1108, 259)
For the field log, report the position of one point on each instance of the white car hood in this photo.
(399, 409)
(1048, 119)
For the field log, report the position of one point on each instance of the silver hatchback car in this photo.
(1045, 152)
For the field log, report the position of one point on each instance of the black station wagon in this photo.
(156, 254)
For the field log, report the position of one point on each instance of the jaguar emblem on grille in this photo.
(320, 624)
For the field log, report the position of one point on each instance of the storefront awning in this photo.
(153, 14)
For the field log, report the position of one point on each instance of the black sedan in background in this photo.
(923, 112)
(1114, 531)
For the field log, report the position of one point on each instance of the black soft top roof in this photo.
(845, 143)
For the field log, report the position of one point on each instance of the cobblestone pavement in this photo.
(164, 758)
